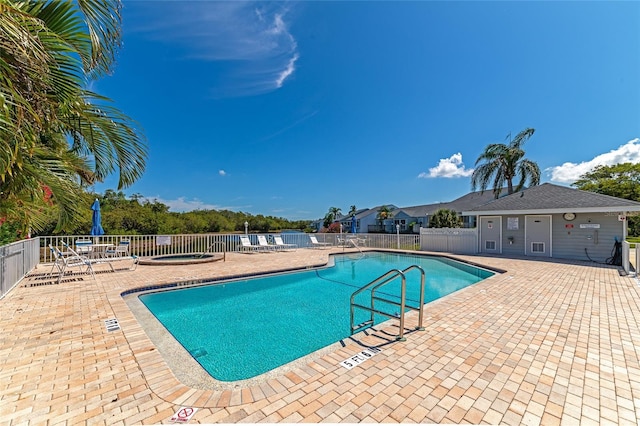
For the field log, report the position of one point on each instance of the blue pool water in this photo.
(240, 329)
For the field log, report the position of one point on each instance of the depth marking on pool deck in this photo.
(359, 358)
(183, 415)
(112, 324)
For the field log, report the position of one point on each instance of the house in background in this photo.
(553, 221)
(369, 222)
(412, 218)
(346, 221)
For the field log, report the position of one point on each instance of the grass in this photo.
(633, 241)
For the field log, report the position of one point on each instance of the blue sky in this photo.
(288, 109)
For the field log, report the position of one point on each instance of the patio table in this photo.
(99, 250)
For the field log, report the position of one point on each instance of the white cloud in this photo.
(570, 172)
(182, 204)
(451, 167)
(291, 67)
(252, 38)
(222, 172)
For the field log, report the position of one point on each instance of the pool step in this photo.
(362, 325)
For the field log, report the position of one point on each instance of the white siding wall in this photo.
(366, 221)
(570, 243)
(567, 242)
(516, 248)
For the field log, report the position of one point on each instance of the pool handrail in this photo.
(382, 280)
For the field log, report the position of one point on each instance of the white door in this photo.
(537, 235)
(491, 234)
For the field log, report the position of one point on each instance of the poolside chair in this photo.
(264, 244)
(84, 247)
(88, 260)
(121, 250)
(278, 240)
(316, 244)
(246, 246)
(72, 260)
(56, 256)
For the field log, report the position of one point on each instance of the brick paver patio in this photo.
(543, 343)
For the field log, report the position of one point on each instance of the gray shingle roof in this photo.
(552, 198)
(466, 202)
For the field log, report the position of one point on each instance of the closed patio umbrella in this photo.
(96, 226)
(353, 224)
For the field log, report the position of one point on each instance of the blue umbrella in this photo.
(353, 224)
(96, 226)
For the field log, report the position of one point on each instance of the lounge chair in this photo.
(72, 259)
(316, 244)
(264, 244)
(278, 240)
(108, 260)
(246, 246)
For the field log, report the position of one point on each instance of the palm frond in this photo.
(114, 140)
(522, 137)
(103, 21)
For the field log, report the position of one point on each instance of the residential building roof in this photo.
(551, 198)
(466, 202)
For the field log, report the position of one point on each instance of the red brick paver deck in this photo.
(544, 343)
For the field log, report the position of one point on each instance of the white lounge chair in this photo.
(246, 246)
(278, 240)
(316, 244)
(264, 244)
(104, 259)
(64, 261)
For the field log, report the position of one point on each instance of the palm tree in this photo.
(331, 216)
(504, 163)
(335, 212)
(55, 135)
(383, 214)
(352, 210)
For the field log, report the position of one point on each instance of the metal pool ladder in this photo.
(379, 282)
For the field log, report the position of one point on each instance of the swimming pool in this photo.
(240, 329)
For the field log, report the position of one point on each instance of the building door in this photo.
(491, 234)
(537, 235)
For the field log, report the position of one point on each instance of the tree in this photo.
(352, 210)
(620, 180)
(332, 214)
(55, 135)
(504, 163)
(445, 218)
(335, 212)
(384, 212)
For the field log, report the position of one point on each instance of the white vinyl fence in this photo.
(159, 245)
(20, 258)
(450, 240)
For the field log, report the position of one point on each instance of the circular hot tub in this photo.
(181, 259)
